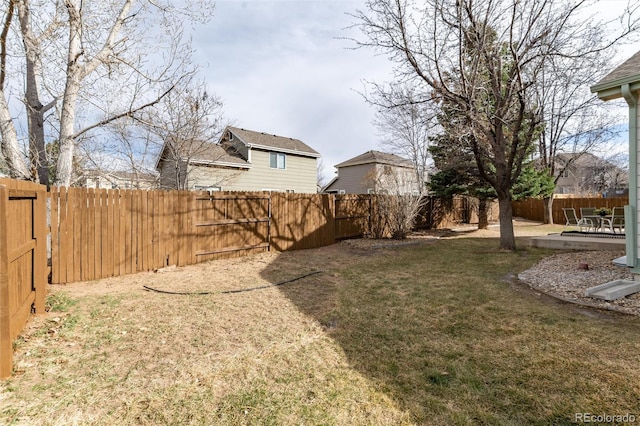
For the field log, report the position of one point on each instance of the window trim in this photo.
(277, 156)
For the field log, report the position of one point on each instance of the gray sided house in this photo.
(242, 160)
(374, 172)
(587, 174)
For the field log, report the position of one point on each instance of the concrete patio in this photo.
(565, 242)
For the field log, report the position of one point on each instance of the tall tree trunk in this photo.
(37, 153)
(77, 70)
(483, 214)
(547, 202)
(507, 236)
(10, 147)
(74, 76)
(8, 135)
(34, 107)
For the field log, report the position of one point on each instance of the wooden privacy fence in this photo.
(533, 209)
(104, 233)
(23, 260)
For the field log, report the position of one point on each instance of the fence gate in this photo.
(23, 261)
(461, 210)
(231, 223)
(352, 215)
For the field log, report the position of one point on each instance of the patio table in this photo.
(600, 221)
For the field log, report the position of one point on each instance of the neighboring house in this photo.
(587, 174)
(118, 180)
(242, 160)
(372, 172)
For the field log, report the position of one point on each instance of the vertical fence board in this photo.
(55, 235)
(40, 253)
(76, 215)
(135, 231)
(6, 345)
(66, 219)
(162, 229)
(83, 237)
(143, 263)
(156, 230)
(122, 236)
(129, 238)
(176, 216)
(91, 232)
(118, 233)
(105, 235)
(114, 235)
(97, 226)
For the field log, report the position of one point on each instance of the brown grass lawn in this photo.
(437, 332)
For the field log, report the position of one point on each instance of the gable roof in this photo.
(266, 141)
(206, 153)
(626, 73)
(376, 157)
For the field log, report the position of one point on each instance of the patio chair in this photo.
(617, 219)
(587, 211)
(572, 219)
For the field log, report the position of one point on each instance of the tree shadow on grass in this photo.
(438, 329)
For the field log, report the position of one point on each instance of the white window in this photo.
(277, 160)
(341, 191)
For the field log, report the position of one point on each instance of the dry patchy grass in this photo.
(430, 333)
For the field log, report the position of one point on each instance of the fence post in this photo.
(6, 345)
(40, 253)
(331, 216)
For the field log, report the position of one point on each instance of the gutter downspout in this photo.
(631, 210)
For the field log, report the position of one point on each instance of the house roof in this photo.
(207, 153)
(223, 154)
(273, 142)
(215, 153)
(609, 87)
(376, 157)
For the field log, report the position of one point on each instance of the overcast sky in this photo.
(283, 67)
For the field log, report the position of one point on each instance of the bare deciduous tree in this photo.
(84, 64)
(483, 59)
(407, 124)
(397, 202)
(576, 122)
(187, 125)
